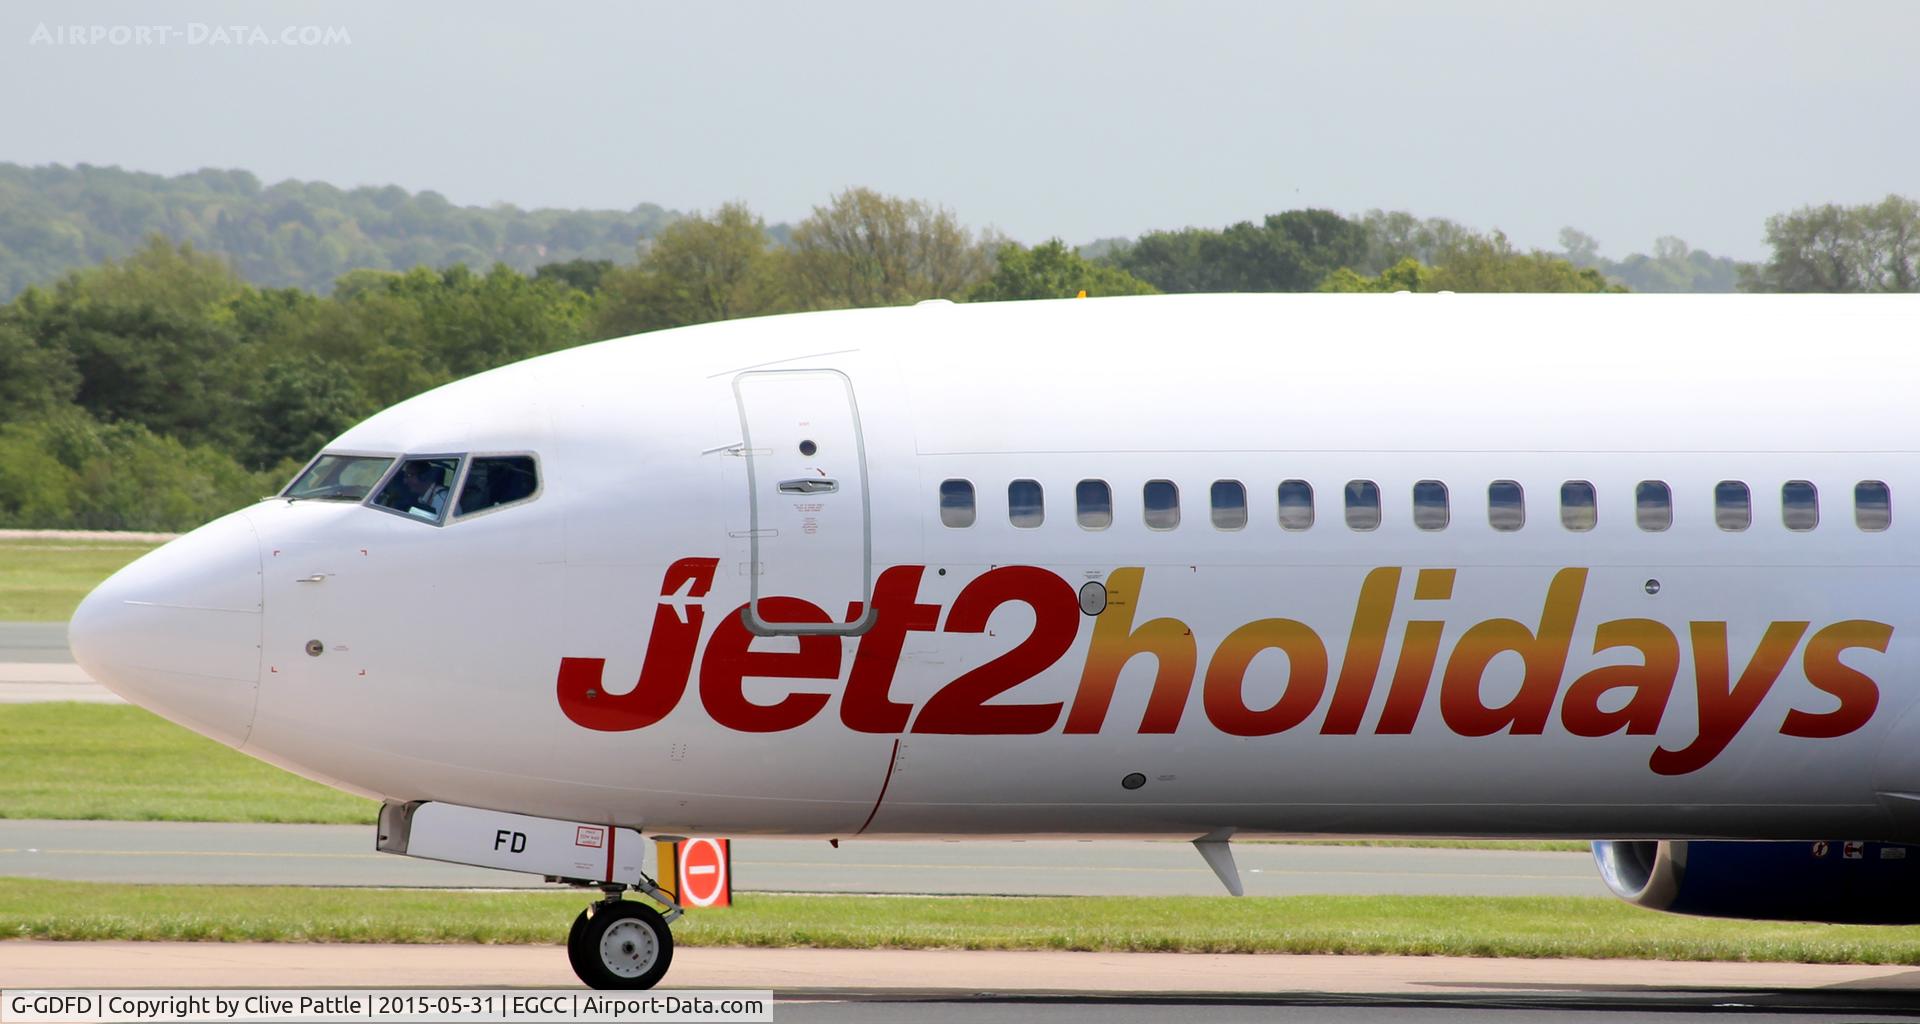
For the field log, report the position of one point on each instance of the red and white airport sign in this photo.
(699, 872)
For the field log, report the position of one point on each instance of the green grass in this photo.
(123, 763)
(44, 580)
(1419, 925)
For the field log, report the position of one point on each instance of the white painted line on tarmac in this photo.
(45, 682)
(53, 693)
(43, 672)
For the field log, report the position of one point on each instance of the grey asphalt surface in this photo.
(194, 853)
(36, 666)
(34, 643)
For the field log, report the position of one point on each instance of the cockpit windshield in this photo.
(421, 487)
(339, 478)
(496, 480)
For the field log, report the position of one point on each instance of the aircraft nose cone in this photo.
(178, 631)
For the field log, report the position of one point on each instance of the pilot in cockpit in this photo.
(425, 487)
(423, 490)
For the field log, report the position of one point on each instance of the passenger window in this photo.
(497, 480)
(1506, 506)
(1799, 505)
(1229, 505)
(1093, 503)
(1430, 505)
(1577, 509)
(1163, 504)
(956, 503)
(1653, 505)
(420, 488)
(1026, 504)
(1732, 506)
(1872, 506)
(1296, 504)
(1363, 505)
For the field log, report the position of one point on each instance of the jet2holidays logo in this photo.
(1328, 686)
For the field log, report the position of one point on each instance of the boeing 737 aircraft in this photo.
(1194, 566)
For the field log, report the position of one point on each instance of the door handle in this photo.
(808, 486)
(318, 577)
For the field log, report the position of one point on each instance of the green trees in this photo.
(861, 249)
(159, 388)
(1408, 275)
(1870, 248)
(159, 391)
(1475, 263)
(34, 376)
(1491, 264)
(582, 275)
(698, 269)
(69, 470)
(1050, 270)
(1673, 266)
(1319, 250)
(146, 340)
(1287, 252)
(455, 322)
(868, 249)
(1396, 235)
(304, 234)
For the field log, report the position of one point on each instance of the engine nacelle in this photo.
(1835, 882)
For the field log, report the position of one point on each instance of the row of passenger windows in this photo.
(1432, 506)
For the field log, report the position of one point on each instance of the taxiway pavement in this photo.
(35, 666)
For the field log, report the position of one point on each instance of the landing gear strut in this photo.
(618, 943)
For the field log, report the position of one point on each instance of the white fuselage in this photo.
(583, 655)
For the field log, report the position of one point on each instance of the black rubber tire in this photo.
(620, 945)
(574, 945)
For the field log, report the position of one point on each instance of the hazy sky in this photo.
(1627, 119)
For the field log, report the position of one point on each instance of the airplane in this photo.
(1195, 566)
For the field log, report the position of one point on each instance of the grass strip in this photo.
(1418, 925)
(44, 580)
(107, 761)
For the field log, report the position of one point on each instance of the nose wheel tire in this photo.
(620, 944)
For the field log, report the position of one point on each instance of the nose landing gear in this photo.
(622, 944)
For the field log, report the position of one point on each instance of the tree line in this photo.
(162, 388)
(301, 234)
(54, 219)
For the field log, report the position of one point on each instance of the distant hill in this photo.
(54, 219)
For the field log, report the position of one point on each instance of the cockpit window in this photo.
(339, 478)
(495, 480)
(421, 487)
